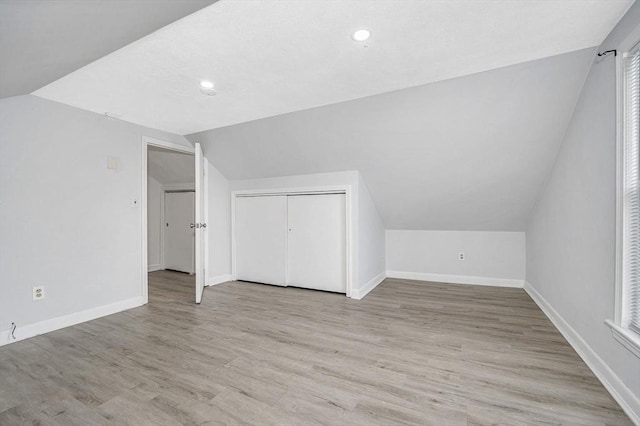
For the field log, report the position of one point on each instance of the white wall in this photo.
(492, 258)
(571, 232)
(371, 242)
(423, 169)
(154, 223)
(66, 221)
(298, 181)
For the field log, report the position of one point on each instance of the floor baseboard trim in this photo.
(219, 279)
(153, 268)
(618, 390)
(31, 330)
(373, 283)
(456, 279)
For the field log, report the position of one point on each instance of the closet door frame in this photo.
(341, 189)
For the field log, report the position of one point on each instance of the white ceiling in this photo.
(43, 40)
(169, 167)
(273, 57)
(470, 153)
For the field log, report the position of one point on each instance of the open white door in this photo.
(200, 224)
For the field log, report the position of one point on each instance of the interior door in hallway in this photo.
(179, 243)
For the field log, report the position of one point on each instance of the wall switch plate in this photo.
(38, 293)
(461, 256)
(112, 163)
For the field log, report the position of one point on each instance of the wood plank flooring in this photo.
(409, 353)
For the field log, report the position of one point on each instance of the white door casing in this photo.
(146, 143)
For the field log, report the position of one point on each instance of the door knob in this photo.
(191, 225)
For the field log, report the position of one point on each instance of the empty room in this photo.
(303, 212)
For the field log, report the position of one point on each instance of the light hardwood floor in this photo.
(409, 353)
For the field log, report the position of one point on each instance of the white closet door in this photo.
(179, 237)
(261, 239)
(316, 242)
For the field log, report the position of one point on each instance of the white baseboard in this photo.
(153, 268)
(456, 279)
(618, 390)
(373, 283)
(30, 330)
(219, 279)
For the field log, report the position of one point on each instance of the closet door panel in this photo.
(317, 242)
(261, 239)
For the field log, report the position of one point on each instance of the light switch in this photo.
(112, 163)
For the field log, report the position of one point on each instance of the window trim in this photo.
(625, 336)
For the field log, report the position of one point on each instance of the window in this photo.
(631, 192)
(626, 328)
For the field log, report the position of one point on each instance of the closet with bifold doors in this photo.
(292, 240)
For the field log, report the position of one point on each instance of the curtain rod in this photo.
(606, 52)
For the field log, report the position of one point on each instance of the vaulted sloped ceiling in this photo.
(169, 167)
(470, 153)
(269, 57)
(43, 40)
(453, 111)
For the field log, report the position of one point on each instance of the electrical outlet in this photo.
(38, 293)
(461, 255)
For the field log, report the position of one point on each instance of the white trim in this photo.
(156, 267)
(618, 390)
(163, 226)
(625, 337)
(457, 279)
(179, 187)
(205, 232)
(146, 140)
(31, 330)
(358, 294)
(627, 44)
(291, 191)
(619, 186)
(219, 279)
(338, 189)
(143, 203)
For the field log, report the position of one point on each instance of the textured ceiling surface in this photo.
(273, 57)
(43, 40)
(470, 153)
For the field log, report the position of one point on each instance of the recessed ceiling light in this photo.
(361, 35)
(206, 88)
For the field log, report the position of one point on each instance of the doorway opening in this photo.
(173, 222)
(171, 235)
